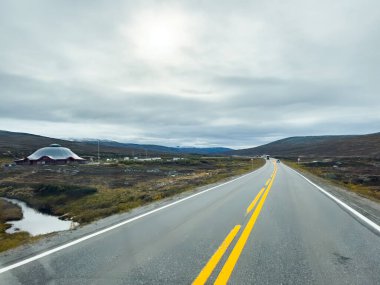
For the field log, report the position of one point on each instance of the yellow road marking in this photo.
(252, 205)
(210, 266)
(229, 266)
(266, 184)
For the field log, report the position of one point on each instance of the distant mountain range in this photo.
(317, 146)
(162, 149)
(20, 145)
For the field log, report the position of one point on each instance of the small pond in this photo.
(37, 223)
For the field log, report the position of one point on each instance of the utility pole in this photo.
(98, 154)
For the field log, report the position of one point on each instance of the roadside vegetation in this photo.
(84, 193)
(360, 175)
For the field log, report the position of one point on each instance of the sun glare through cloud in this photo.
(158, 36)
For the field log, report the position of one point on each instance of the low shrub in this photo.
(68, 190)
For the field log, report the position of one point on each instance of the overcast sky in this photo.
(203, 73)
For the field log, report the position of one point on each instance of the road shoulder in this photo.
(363, 205)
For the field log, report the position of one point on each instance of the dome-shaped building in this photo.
(53, 154)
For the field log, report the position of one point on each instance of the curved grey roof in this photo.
(54, 151)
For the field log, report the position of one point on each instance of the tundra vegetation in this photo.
(357, 174)
(84, 193)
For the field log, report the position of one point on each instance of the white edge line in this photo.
(79, 240)
(344, 205)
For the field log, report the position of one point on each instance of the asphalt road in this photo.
(269, 227)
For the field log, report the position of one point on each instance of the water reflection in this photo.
(37, 223)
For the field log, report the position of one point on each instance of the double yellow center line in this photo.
(229, 266)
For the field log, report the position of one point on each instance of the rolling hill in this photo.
(317, 146)
(19, 145)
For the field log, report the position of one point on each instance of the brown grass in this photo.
(119, 187)
(9, 211)
(344, 177)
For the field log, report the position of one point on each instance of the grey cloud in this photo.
(57, 102)
(278, 92)
(252, 71)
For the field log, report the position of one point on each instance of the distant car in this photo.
(278, 161)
